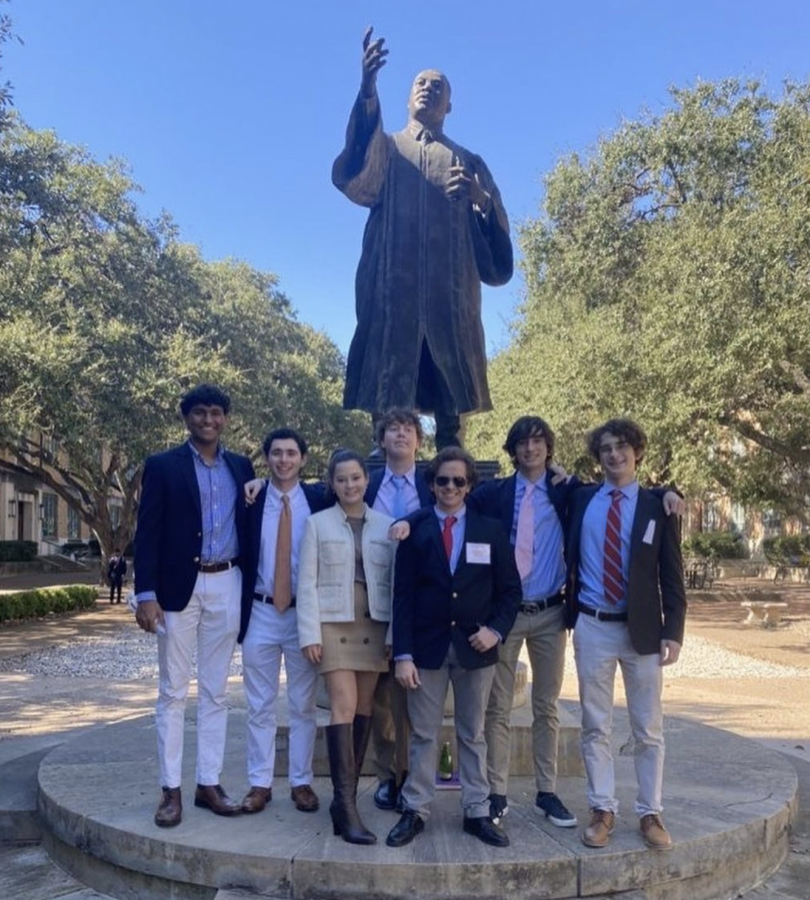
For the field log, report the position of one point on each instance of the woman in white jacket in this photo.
(345, 584)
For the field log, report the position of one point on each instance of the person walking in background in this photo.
(188, 587)
(116, 570)
(345, 582)
(275, 529)
(627, 605)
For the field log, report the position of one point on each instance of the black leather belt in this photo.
(263, 598)
(600, 615)
(209, 568)
(536, 606)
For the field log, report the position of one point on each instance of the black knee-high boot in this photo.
(361, 733)
(346, 821)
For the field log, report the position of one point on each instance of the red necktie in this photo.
(613, 577)
(447, 535)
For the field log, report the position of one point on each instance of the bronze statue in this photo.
(436, 229)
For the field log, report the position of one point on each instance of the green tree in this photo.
(668, 279)
(106, 318)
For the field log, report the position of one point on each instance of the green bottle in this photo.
(446, 763)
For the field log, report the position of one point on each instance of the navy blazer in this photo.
(168, 540)
(433, 606)
(656, 598)
(316, 500)
(376, 479)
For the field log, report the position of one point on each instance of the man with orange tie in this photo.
(627, 604)
(275, 528)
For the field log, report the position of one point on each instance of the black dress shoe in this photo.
(386, 795)
(487, 831)
(406, 829)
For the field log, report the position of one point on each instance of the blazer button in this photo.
(452, 624)
(196, 559)
(199, 534)
(455, 595)
(343, 640)
(365, 640)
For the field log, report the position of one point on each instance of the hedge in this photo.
(34, 604)
(18, 551)
(787, 550)
(716, 545)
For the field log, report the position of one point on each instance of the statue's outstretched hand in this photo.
(374, 54)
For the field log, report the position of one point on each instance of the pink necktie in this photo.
(613, 578)
(524, 541)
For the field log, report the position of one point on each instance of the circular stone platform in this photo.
(728, 807)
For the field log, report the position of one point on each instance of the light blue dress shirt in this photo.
(547, 576)
(385, 501)
(592, 545)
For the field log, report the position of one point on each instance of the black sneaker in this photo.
(554, 809)
(498, 807)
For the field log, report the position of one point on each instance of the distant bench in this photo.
(764, 612)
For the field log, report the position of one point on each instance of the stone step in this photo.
(729, 804)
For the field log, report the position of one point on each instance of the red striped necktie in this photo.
(613, 577)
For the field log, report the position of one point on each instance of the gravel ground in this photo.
(129, 654)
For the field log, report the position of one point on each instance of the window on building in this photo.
(711, 516)
(50, 510)
(74, 524)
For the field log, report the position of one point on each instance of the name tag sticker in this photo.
(650, 532)
(479, 553)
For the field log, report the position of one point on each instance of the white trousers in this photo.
(598, 648)
(270, 636)
(209, 624)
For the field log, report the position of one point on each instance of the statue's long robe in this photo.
(418, 285)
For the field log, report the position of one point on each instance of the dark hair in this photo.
(524, 428)
(452, 454)
(342, 455)
(626, 429)
(205, 395)
(400, 416)
(284, 434)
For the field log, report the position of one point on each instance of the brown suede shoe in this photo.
(654, 833)
(213, 797)
(170, 811)
(256, 799)
(598, 832)
(306, 800)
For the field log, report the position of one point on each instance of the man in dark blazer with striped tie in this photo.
(188, 585)
(627, 605)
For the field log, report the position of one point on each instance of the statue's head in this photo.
(429, 101)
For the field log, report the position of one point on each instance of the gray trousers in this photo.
(544, 634)
(426, 708)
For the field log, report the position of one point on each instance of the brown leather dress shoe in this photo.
(213, 797)
(598, 832)
(655, 833)
(170, 811)
(256, 799)
(305, 799)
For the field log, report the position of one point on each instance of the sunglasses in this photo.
(444, 480)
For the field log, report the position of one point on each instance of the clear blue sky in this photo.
(231, 112)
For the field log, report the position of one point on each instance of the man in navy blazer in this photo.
(188, 584)
(456, 595)
(269, 632)
(532, 509)
(397, 489)
(627, 605)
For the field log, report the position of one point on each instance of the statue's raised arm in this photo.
(374, 54)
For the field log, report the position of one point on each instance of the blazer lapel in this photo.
(187, 468)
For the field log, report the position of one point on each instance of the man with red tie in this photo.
(456, 595)
(627, 604)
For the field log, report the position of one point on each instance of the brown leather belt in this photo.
(210, 568)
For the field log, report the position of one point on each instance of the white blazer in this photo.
(325, 590)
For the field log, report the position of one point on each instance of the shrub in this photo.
(38, 603)
(716, 545)
(787, 550)
(18, 551)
